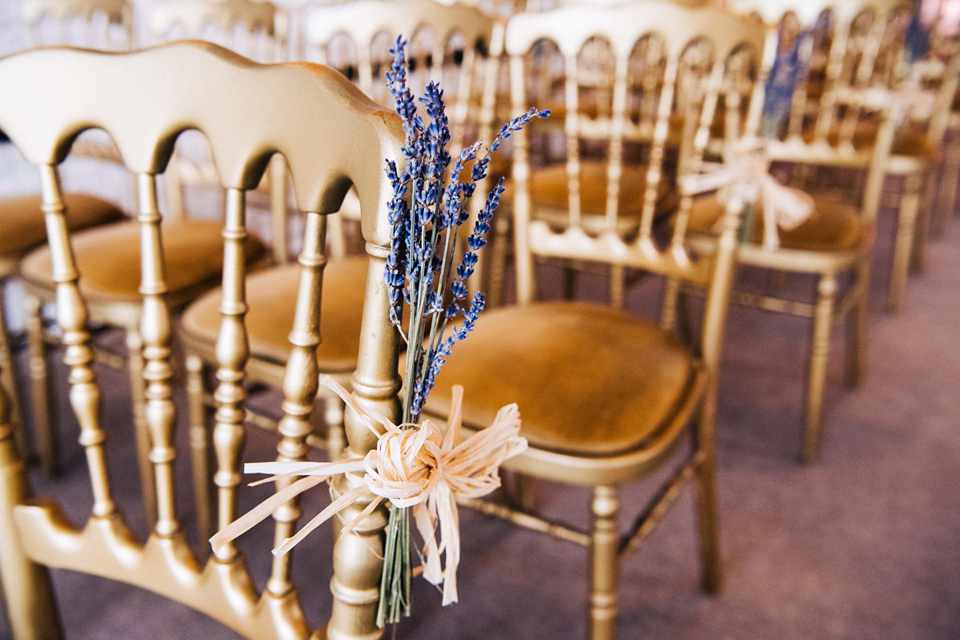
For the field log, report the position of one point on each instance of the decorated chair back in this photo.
(332, 137)
(101, 24)
(832, 63)
(697, 69)
(447, 43)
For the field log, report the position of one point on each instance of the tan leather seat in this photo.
(549, 193)
(272, 295)
(621, 370)
(833, 225)
(21, 220)
(109, 259)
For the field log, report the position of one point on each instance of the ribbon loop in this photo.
(744, 175)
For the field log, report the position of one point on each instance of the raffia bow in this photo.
(414, 466)
(745, 176)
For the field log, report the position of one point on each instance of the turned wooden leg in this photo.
(947, 199)
(46, 441)
(200, 452)
(706, 478)
(817, 375)
(498, 260)
(138, 397)
(857, 325)
(907, 242)
(917, 249)
(617, 279)
(26, 586)
(8, 376)
(671, 298)
(604, 564)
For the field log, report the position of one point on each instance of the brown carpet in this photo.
(865, 544)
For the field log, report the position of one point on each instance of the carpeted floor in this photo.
(865, 544)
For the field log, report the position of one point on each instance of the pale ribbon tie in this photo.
(744, 175)
(414, 466)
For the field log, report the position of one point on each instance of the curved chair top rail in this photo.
(60, 84)
(623, 25)
(807, 11)
(117, 11)
(364, 19)
(223, 14)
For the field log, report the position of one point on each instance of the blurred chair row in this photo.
(645, 95)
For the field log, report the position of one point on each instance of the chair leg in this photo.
(617, 277)
(27, 589)
(817, 375)
(907, 242)
(46, 442)
(704, 443)
(138, 396)
(857, 326)
(8, 376)
(498, 261)
(200, 452)
(947, 199)
(913, 193)
(604, 564)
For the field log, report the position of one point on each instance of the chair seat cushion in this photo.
(910, 139)
(108, 258)
(272, 296)
(21, 220)
(549, 193)
(833, 225)
(588, 380)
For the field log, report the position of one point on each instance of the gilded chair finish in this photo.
(117, 13)
(825, 131)
(607, 397)
(92, 23)
(331, 137)
(276, 287)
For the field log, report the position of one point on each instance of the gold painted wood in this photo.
(117, 13)
(700, 85)
(361, 22)
(332, 138)
(823, 129)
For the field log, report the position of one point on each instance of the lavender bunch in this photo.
(427, 213)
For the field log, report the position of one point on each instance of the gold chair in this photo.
(838, 237)
(106, 24)
(110, 255)
(331, 137)
(607, 397)
(274, 289)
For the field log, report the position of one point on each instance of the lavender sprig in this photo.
(426, 217)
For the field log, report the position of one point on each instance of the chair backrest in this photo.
(852, 46)
(693, 64)
(102, 24)
(252, 28)
(446, 43)
(331, 137)
(256, 30)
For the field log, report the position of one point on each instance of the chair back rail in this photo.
(437, 33)
(116, 13)
(671, 32)
(331, 137)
